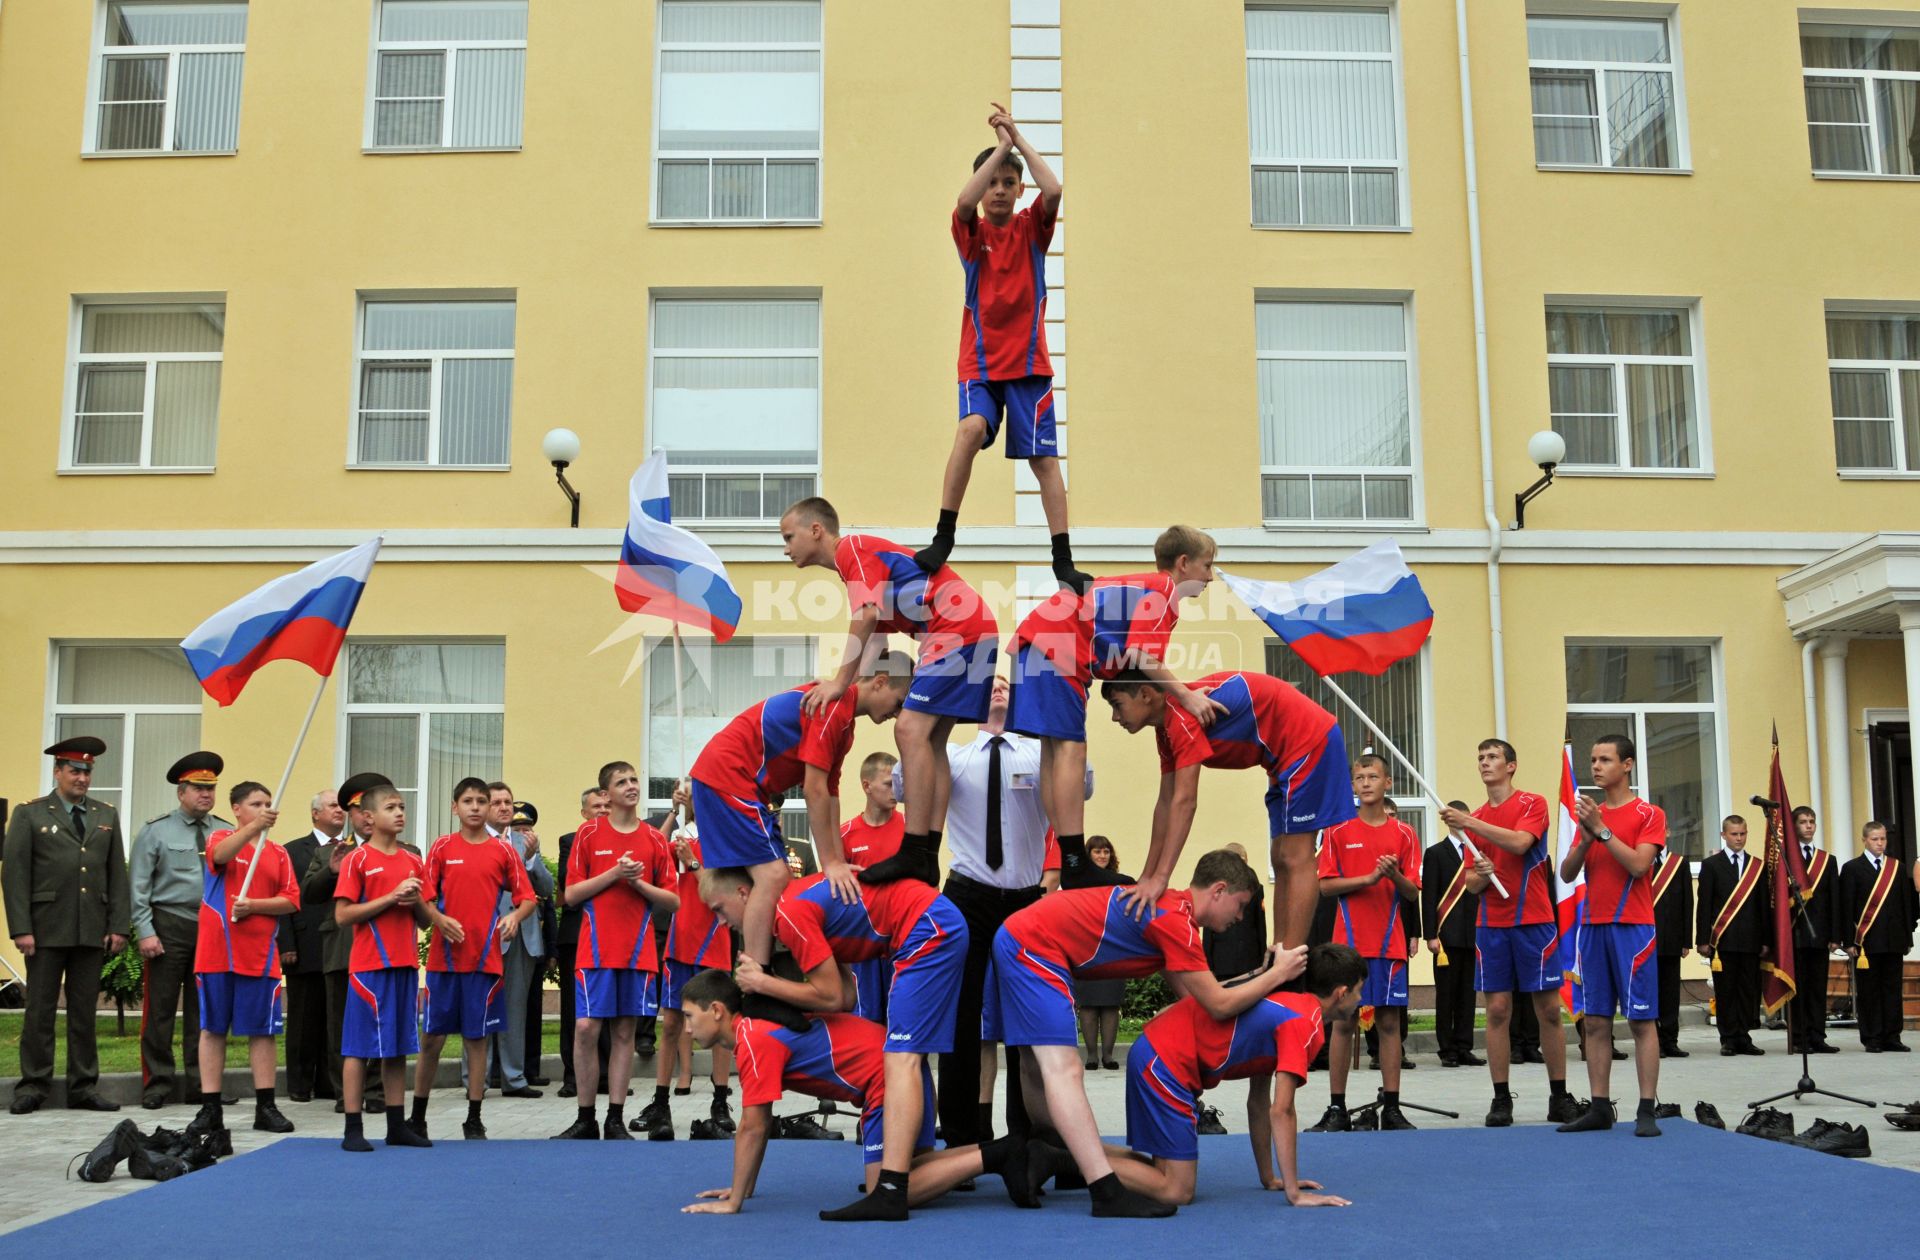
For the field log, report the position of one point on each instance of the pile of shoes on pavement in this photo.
(158, 1156)
(1905, 1116)
(1848, 1140)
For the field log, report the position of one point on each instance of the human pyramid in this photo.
(872, 956)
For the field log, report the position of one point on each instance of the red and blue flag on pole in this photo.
(1570, 906)
(301, 617)
(664, 570)
(1360, 616)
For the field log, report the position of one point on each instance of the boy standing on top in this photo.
(1005, 375)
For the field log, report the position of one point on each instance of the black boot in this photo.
(918, 858)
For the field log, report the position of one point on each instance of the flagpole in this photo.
(1401, 757)
(676, 823)
(286, 776)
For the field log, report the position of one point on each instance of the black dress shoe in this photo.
(1469, 1059)
(1872, 1049)
(524, 1091)
(152, 1102)
(267, 1118)
(1896, 1047)
(1449, 1060)
(579, 1131)
(539, 1080)
(91, 1102)
(299, 1098)
(1825, 1047)
(569, 1090)
(1747, 1047)
(1727, 1052)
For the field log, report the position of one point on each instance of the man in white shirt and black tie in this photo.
(1729, 928)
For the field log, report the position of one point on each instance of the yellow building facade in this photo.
(277, 278)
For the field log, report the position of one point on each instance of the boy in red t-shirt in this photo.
(236, 965)
(869, 838)
(1370, 865)
(1618, 841)
(1004, 370)
(383, 894)
(469, 870)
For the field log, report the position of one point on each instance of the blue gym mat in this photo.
(1438, 1191)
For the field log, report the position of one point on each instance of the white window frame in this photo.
(70, 392)
(1416, 497)
(129, 714)
(1696, 358)
(654, 299)
(1683, 151)
(421, 808)
(1402, 193)
(818, 155)
(1866, 79)
(650, 804)
(1891, 369)
(90, 135)
(452, 48)
(437, 358)
(1406, 795)
(1636, 729)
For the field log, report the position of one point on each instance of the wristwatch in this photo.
(1605, 835)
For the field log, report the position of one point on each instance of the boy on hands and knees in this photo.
(1364, 866)
(952, 679)
(1618, 840)
(236, 963)
(1516, 943)
(382, 894)
(1004, 369)
(469, 870)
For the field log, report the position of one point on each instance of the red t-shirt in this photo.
(469, 879)
(1280, 1033)
(1092, 934)
(698, 936)
(387, 939)
(940, 611)
(616, 926)
(1528, 899)
(245, 948)
(818, 927)
(765, 750)
(866, 845)
(1268, 723)
(1612, 895)
(1003, 332)
(841, 1057)
(1369, 919)
(1097, 635)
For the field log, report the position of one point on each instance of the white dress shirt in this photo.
(1023, 821)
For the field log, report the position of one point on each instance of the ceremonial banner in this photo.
(301, 617)
(1777, 981)
(664, 570)
(1570, 908)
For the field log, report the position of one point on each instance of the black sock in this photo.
(1603, 1102)
(659, 1093)
(355, 1127)
(616, 1113)
(1391, 1097)
(473, 1111)
(1338, 1100)
(1073, 850)
(419, 1109)
(985, 1117)
(214, 1110)
(1646, 1107)
(993, 1155)
(933, 839)
(263, 1098)
(586, 1115)
(891, 1185)
(1500, 1089)
(947, 523)
(1556, 1088)
(1106, 1189)
(721, 1093)
(887, 1201)
(1062, 549)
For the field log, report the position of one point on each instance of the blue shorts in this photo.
(1617, 970)
(870, 980)
(380, 1021)
(615, 992)
(1026, 403)
(958, 685)
(245, 1006)
(1161, 1108)
(674, 979)
(1386, 983)
(1517, 959)
(925, 991)
(1313, 792)
(736, 832)
(471, 1003)
(1046, 703)
(873, 1121)
(1028, 1001)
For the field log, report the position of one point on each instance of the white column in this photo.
(1836, 823)
(1910, 636)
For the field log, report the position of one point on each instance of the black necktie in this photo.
(80, 821)
(1736, 865)
(1806, 855)
(200, 834)
(995, 854)
(1876, 866)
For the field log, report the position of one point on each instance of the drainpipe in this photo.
(1808, 699)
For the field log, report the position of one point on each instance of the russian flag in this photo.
(664, 570)
(300, 617)
(1570, 909)
(1360, 616)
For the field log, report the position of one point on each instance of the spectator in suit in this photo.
(312, 1064)
(1242, 947)
(1878, 912)
(1673, 940)
(1815, 939)
(1450, 937)
(537, 982)
(593, 804)
(1729, 929)
(514, 821)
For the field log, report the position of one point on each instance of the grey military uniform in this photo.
(167, 872)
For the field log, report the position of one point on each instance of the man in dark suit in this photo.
(593, 804)
(312, 1064)
(336, 943)
(1450, 936)
(1729, 928)
(1673, 940)
(1877, 908)
(1815, 938)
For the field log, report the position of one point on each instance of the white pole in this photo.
(1427, 788)
(675, 823)
(285, 777)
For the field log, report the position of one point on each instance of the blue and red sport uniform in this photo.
(867, 845)
(1004, 369)
(742, 773)
(1183, 1051)
(383, 984)
(236, 966)
(1271, 725)
(1072, 639)
(1614, 948)
(697, 938)
(1517, 946)
(907, 922)
(1079, 934)
(840, 1057)
(616, 957)
(1369, 919)
(464, 990)
(957, 636)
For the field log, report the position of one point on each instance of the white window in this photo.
(448, 74)
(1863, 98)
(737, 118)
(718, 682)
(1336, 420)
(435, 384)
(1605, 92)
(1665, 698)
(736, 403)
(1396, 700)
(1623, 383)
(1324, 117)
(1873, 367)
(426, 715)
(145, 703)
(144, 392)
(166, 78)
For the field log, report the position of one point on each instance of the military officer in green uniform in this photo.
(168, 872)
(64, 883)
